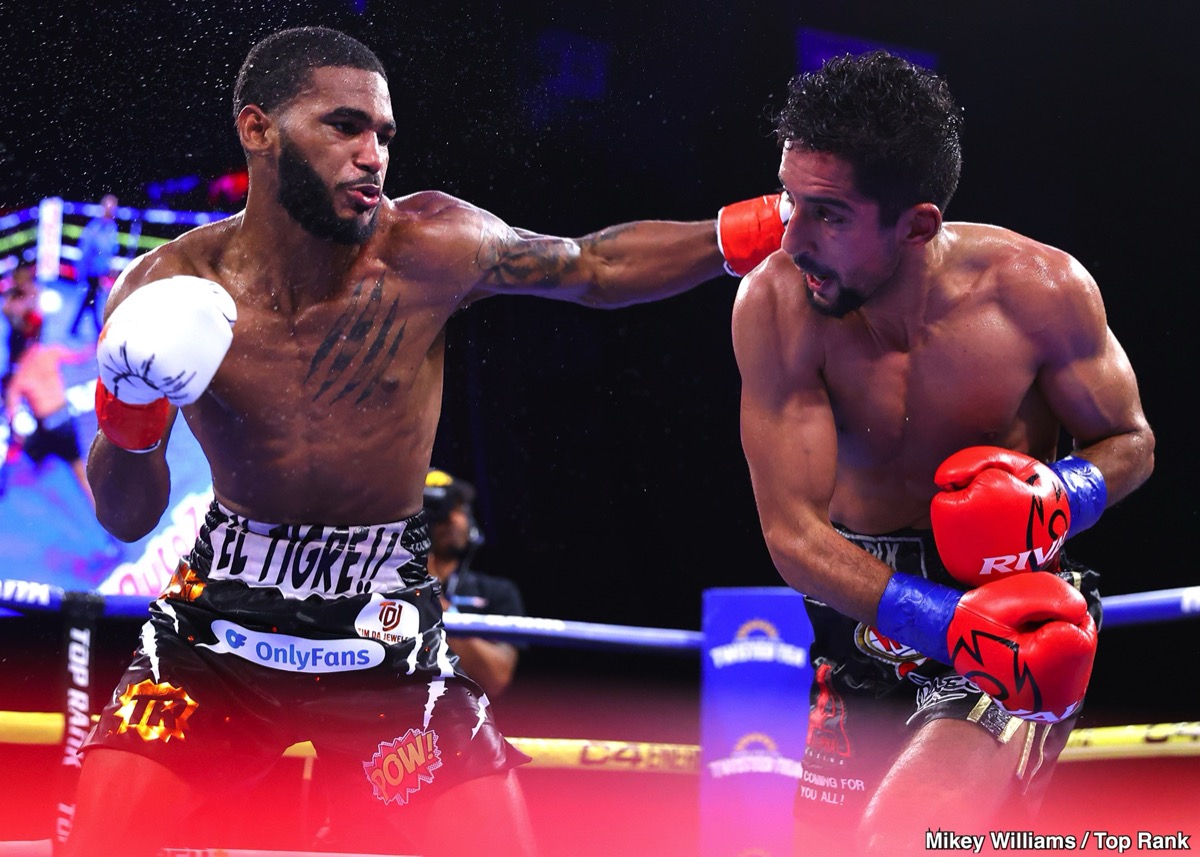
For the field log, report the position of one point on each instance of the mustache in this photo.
(367, 180)
(808, 266)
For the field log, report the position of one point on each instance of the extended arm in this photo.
(74, 356)
(618, 266)
(631, 263)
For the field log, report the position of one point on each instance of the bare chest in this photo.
(366, 356)
(957, 386)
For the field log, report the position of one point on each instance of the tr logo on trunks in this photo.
(293, 654)
(155, 711)
(399, 767)
(184, 585)
(310, 560)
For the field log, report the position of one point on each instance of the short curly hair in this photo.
(895, 123)
(277, 69)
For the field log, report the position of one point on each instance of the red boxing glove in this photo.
(751, 230)
(33, 325)
(137, 428)
(1028, 642)
(999, 512)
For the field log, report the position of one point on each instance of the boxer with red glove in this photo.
(160, 347)
(1027, 641)
(1001, 511)
(751, 230)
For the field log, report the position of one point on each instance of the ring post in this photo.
(80, 611)
(754, 682)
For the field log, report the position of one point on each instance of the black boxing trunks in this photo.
(56, 435)
(870, 693)
(268, 636)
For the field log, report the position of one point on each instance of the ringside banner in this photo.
(755, 674)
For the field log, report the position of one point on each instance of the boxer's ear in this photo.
(919, 224)
(256, 130)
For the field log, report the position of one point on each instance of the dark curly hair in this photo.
(895, 123)
(277, 68)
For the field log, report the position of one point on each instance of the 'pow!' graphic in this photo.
(365, 329)
(399, 767)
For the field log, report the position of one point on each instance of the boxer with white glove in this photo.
(160, 347)
(1027, 641)
(1002, 511)
(751, 230)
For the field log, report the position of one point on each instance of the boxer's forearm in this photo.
(131, 490)
(649, 260)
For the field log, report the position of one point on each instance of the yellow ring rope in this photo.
(1153, 740)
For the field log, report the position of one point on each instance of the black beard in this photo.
(846, 303)
(450, 551)
(304, 196)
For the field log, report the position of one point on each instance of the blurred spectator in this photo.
(22, 315)
(38, 384)
(98, 244)
(455, 538)
(24, 322)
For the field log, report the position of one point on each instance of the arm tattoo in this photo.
(364, 326)
(532, 260)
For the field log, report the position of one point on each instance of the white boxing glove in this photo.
(166, 340)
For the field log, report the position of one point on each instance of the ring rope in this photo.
(1119, 610)
(1150, 740)
(1154, 740)
(29, 597)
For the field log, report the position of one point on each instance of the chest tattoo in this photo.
(366, 329)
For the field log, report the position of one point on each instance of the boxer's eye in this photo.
(829, 216)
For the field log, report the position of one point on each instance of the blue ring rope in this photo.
(1164, 605)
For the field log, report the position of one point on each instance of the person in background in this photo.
(455, 538)
(20, 306)
(38, 384)
(24, 321)
(98, 245)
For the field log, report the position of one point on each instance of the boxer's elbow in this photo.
(1146, 446)
(123, 523)
(787, 550)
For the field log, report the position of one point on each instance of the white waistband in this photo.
(301, 560)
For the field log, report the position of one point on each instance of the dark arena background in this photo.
(604, 445)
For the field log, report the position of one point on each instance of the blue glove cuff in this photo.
(1086, 493)
(917, 612)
